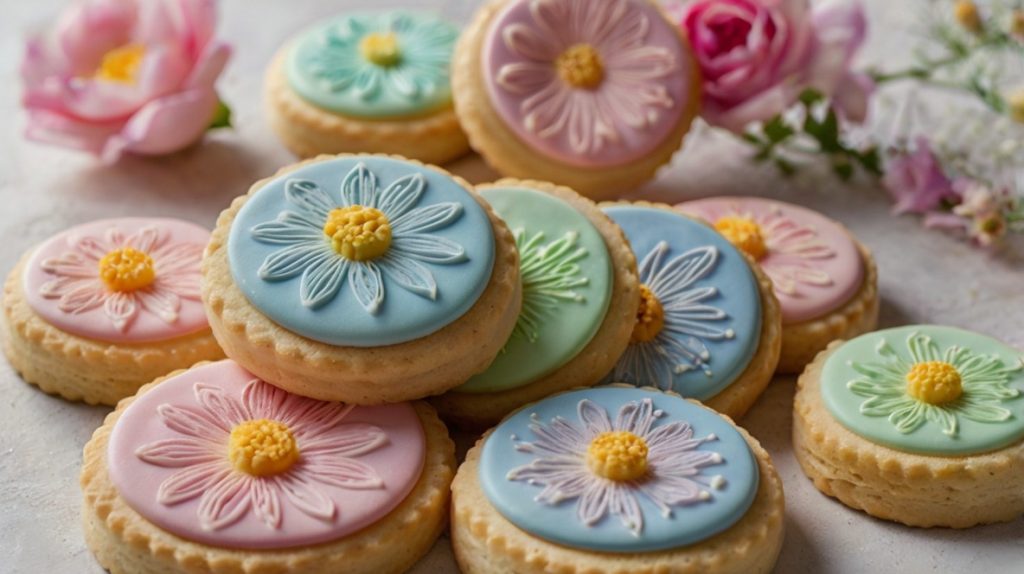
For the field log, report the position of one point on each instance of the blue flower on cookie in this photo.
(398, 52)
(674, 319)
(361, 236)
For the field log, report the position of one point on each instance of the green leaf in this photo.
(752, 138)
(810, 96)
(221, 116)
(869, 159)
(785, 167)
(825, 131)
(776, 130)
(843, 168)
(764, 154)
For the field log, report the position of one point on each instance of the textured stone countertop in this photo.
(925, 277)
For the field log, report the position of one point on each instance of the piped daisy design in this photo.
(549, 274)
(125, 275)
(363, 236)
(606, 466)
(793, 247)
(265, 454)
(586, 72)
(674, 318)
(394, 53)
(927, 384)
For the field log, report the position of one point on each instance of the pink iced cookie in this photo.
(595, 95)
(217, 456)
(589, 83)
(128, 280)
(813, 262)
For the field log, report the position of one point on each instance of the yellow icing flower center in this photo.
(650, 317)
(127, 269)
(358, 233)
(744, 233)
(934, 382)
(966, 13)
(618, 455)
(121, 64)
(380, 49)
(581, 67)
(262, 447)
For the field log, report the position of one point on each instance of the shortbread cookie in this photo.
(614, 480)
(708, 326)
(103, 308)
(593, 95)
(364, 279)
(922, 425)
(375, 82)
(214, 470)
(580, 296)
(826, 280)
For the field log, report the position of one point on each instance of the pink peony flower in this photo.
(916, 181)
(117, 76)
(757, 56)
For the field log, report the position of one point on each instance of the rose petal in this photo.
(164, 125)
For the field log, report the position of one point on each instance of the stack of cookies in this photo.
(362, 298)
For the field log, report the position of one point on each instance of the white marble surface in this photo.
(925, 277)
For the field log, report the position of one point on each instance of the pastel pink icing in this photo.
(168, 458)
(62, 284)
(648, 71)
(812, 261)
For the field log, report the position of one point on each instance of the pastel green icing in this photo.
(864, 386)
(567, 286)
(327, 67)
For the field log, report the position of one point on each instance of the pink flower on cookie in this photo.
(117, 76)
(266, 453)
(757, 56)
(586, 70)
(124, 275)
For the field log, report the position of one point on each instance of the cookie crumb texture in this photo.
(916, 490)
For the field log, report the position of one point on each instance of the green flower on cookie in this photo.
(396, 52)
(550, 274)
(927, 384)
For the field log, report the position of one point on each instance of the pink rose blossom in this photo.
(117, 76)
(916, 181)
(757, 56)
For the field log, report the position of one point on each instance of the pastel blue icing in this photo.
(736, 293)
(688, 524)
(343, 320)
(326, 68)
